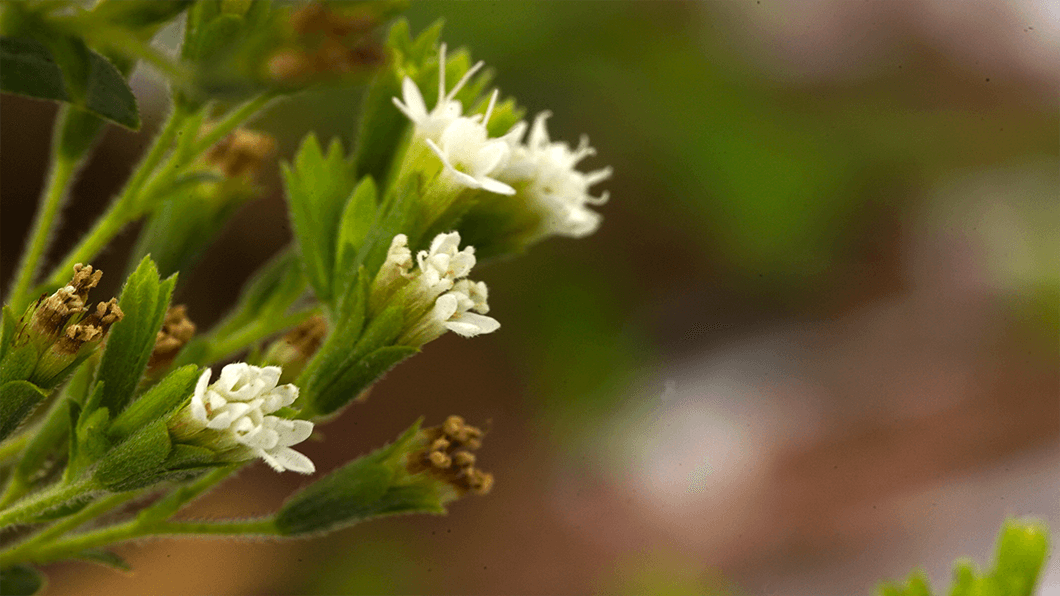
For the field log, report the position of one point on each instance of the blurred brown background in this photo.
(814, 344)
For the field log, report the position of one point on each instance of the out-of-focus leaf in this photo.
(21, 580)
(104, 557)
(28, 67)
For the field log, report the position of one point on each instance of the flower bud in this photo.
(177, 330)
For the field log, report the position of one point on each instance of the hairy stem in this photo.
(122, 210)
(63, 168)
(47, 499)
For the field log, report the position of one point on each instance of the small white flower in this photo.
(438, 294)
(237, 407)
(560, 192)
(461, 143)
(431, 124)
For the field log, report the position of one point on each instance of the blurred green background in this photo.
(813, 344)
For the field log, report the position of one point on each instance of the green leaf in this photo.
(18, 363)
(336, 357)
(163, 398)
(137, 462)
(144, 300)
(318, 187)
(17, 400)
(28, 68)
(355, 492)
(7, 330)
(1021, 550)
(89, 81)
(104, 557)
(188, 456)
(139, 15)
(20, 580)
(359, 377)
(357, 220)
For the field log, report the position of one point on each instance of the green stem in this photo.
(47, 499)
(124, 208)
(62, 172)
(69, 547)
(64, 525)
(239, 339)
(10, 448)
(231, 120)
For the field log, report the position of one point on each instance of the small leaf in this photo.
(160, 400)
(28, 67)
(144, 300)
(137, 462)
(104, 557)
(359, 377)
(18, 363)
(21, 580)
(317, 188)
(17, 400)
(357, 220)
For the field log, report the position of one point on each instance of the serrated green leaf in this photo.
(1021, 550)
(86, 79)
(21, 580)
(317, 187)
(359, 377)
(17, 400)
(137, 462)
(167, 395)
(144, 300)
(357, 220)
(104, 557)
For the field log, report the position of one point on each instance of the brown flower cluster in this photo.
(60, 318)
(448, 456)
(241, 153)
(177, 330)
(327, 42)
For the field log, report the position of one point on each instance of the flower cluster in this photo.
(436, 293)
(542, 173)
(232, 417)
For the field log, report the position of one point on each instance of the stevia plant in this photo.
(117, 413)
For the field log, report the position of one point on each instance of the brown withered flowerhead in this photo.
(63, 329)
(448, 456)
(177, 330)
(327, 42)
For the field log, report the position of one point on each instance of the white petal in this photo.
(471, 324)
(293, 432)
(204, 380)
(221, 421)
(416, 108)
(198, 409)
(444, 307)
(285, 458)
(496, 186)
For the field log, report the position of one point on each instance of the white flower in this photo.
(438, 294)
(237, 406)
(451, 310)
(431, 124)
(462, 143)
(560, 192)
